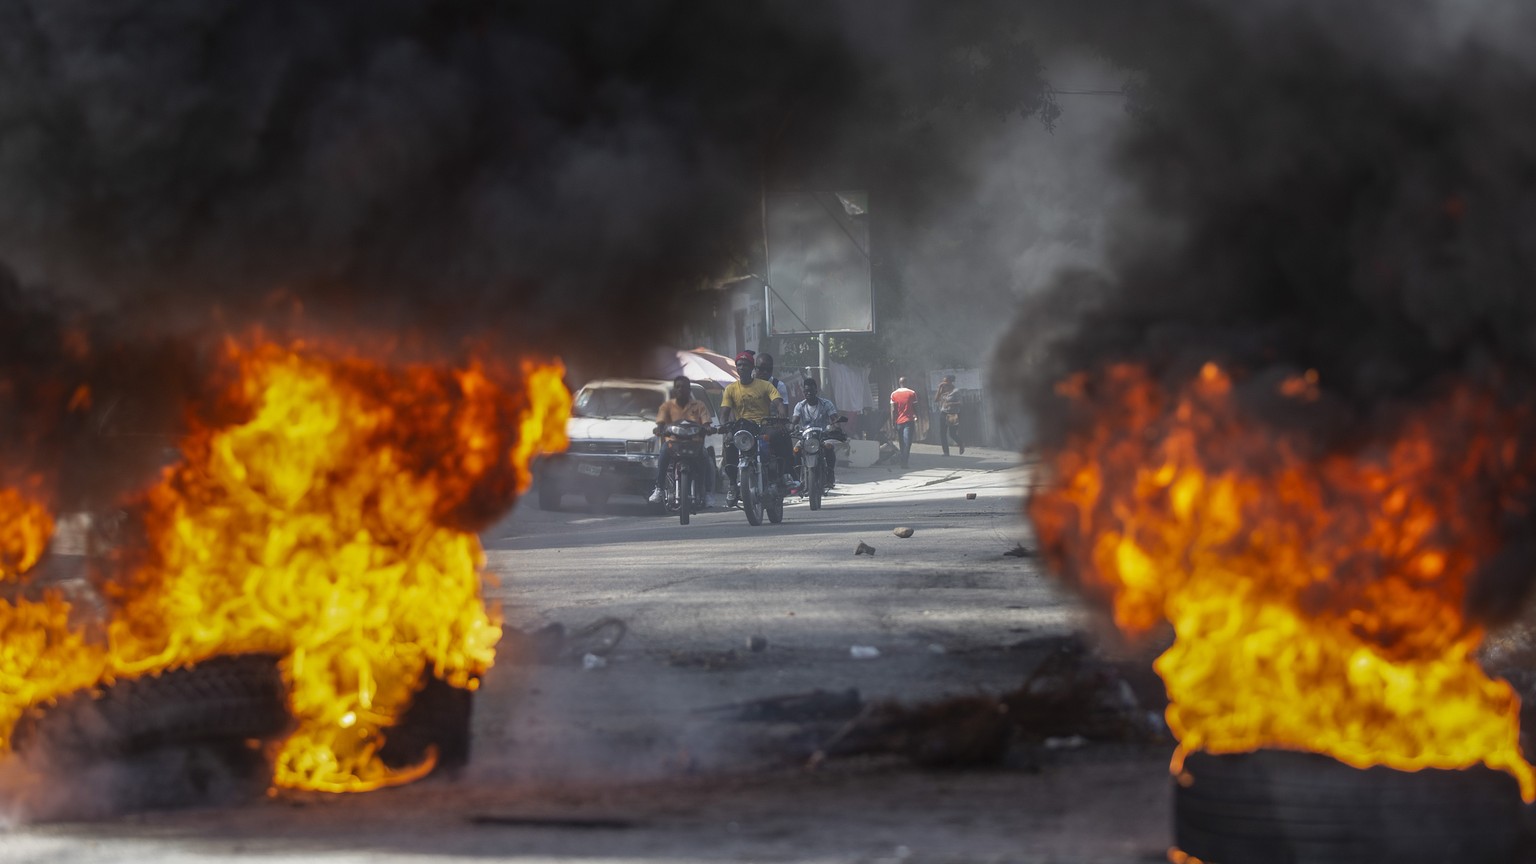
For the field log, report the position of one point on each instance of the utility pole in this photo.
(821, 360)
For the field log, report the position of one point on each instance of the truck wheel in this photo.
(549, 496)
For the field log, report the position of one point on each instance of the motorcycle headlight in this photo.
(744, 440)
(640, 447)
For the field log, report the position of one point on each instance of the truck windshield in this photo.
(617, 402)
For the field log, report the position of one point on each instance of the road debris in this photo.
(552, 643)
(707, 660)
(970, 496)
(903, 532)
(584, 823)
(592, 661)
(1020, 551)
(1069, 700)
(864, 652)
(793, 708)
(864, 549)
(757, 644)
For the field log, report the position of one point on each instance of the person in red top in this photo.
(904, 416)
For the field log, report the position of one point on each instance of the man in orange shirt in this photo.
(681, 408)
(904, 416)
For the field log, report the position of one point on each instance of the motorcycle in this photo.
(684, 491)
(810, 444)
(756, 473)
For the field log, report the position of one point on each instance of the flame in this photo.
(327, 517)
(25, 528)
(1316, 600)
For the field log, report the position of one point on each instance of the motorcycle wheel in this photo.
(775, 508)
(815, 485)
(752, 502)
(683, 484)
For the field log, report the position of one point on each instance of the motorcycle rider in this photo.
(746, 399)
(765, 372)
(681, 408)
(814, 410)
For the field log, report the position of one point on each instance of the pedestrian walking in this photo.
(946, 410)
(904, 417)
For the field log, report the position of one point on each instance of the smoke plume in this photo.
(1346, 189)
(533, 175)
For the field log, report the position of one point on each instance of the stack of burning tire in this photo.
(1287, 807)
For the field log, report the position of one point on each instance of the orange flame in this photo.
(25, 527)
(1317, 600)
(332, 522)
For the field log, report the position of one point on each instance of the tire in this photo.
(751, 503)
(1282, 806)
(549, 496)
(597, 502)
(775, 508)
(815, 484)
(438, 718)
(224, 699)
(684, 489)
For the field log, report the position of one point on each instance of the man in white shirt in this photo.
(813, 410)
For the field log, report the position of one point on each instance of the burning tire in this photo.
(438, 719)
(224, 699)
(190, 736)
(1281, 806)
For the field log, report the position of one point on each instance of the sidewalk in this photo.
(928, 466)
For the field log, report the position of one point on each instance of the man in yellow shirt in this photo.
(747, 399)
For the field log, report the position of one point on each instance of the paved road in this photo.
(635, 745)
(692, 596)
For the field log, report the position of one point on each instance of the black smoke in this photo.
(540, 177)
(459, 166)
(1349, 188)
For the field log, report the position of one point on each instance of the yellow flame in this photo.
(1317, 602)
(330, 523)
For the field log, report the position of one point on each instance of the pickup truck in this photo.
(612, 450)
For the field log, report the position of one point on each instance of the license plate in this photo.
(590, 470)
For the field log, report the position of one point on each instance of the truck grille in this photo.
(607, 448)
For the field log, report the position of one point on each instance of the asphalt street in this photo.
(618, 744)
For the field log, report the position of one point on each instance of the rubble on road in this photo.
(864, 549)
(552, 643)
(706, 660)
(1020, 551)
(1070, 699)
(903, 532)
(793, 708)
